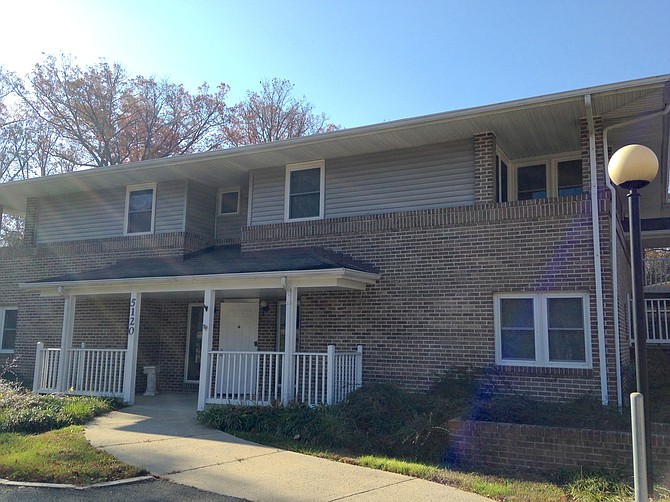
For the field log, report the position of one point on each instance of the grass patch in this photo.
(41, 439)
(59, 456)
(599, 487)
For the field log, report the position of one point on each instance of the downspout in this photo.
(596, 251)
(613, 226)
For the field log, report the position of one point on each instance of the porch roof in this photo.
(219, 268)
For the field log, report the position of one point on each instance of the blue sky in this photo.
(360, 62)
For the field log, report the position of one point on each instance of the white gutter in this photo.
(613, 238)
(600, 315)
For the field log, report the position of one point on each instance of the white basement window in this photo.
(8, 316)
(304, 196)
(542, 329)
(140, 209)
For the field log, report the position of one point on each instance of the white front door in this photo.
(239, 333)
(239, 326)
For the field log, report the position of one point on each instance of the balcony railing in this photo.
(657, 271)
(658, 322)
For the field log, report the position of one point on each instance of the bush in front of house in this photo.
(23, 411)
(582, 413)
(380, 419)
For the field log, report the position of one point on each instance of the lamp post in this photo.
(631, 168)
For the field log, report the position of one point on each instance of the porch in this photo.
(212, 309)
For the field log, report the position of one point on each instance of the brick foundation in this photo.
(501, 447)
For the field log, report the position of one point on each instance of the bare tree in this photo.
(272, 114)
(104, 118)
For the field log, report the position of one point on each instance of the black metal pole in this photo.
(639, 322)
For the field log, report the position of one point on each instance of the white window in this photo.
(304, 191)
(538, 179)
(229, 201)
(542, 329)
(8, 316)
(140, 209)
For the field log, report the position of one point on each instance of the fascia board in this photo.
(331, 278)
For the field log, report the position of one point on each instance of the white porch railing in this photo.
(244, 377)
(45, 379)
(88, 372)
(657, 321)
(255, 378)
(656, 271)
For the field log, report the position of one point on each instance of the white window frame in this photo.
(500, 158)
(3, 313)
(137, 188)
(551, 167)
(540, 323)
(317, 164)
(218, 200)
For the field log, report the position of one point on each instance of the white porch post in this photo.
(65, 342)
(288, 374)
(330, 375)
(129, 370)
(207, 328)
(359, 366)
(37, 374)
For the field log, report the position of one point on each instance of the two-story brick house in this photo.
(483, 238)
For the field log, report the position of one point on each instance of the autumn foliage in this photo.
(62, 116)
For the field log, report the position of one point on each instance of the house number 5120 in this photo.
(131, 320)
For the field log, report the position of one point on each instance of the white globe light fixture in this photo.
(633, 166)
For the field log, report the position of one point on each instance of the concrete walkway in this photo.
(162, 435)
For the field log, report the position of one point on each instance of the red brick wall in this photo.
(485, 157)
(433, 306)
(503, 447)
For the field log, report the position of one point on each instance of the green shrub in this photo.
(583, 413)
(22, 411)
(379, 419)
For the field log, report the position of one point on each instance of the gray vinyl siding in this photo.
(81, 216)
(268, 196)
(200, 209)
(409, 179)
(169, 207)
(99, 215)
(418, 178)
(230, 226)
